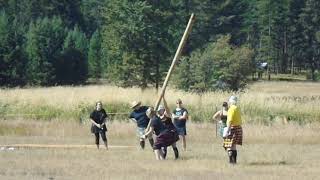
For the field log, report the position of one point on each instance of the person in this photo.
(233, 135)
(164, 136)
(180, 117)
(139, 116)
(221, 115)
(165, 116)
(98, 119)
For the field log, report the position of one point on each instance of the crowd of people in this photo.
(164, 129)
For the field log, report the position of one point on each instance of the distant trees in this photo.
(219, 66)
(131, 43)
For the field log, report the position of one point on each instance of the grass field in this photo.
(273, 149)
(269, 152)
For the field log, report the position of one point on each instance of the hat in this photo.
(160, 108)
(135, 104)
(233, 100)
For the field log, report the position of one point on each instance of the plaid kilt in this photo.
(166, 138)
(234, 138)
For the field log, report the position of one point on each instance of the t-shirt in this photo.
(140, 116)
(98, 116)
(179, 122)
(157, 125)
(234, 116)
(168, 124)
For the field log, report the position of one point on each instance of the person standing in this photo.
(98, 119)
(180, 117)
(233, 135)
(222, 117)
(139, 116)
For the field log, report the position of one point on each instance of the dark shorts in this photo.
(166, 138)
(182, 131)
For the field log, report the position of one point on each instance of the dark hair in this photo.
(224, 104)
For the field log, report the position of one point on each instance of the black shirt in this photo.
(98, 116)
(140, 116)
(157, 125)
(179, 122)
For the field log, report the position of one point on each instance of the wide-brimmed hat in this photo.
(135, 104)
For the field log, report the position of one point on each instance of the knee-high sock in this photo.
(164, 150)
(151, 142)
(230, 154)
(176, 152)
(234, 153)
(142, 143)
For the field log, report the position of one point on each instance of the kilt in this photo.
(166, 138)
(235, 137)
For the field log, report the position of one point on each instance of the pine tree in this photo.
(44, 44)
(95, 64)
(310, 20)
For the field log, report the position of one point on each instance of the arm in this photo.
(167, 110)
(133, 119)
(216, 115)
(93, 122)
(230, 117)
(184, 116)
(149, 131)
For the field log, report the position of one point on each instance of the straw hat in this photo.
(135, 104)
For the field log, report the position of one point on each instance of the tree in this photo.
(310, 20)
(95, 64)
(44, 45)
(219, 66)
(72, 66)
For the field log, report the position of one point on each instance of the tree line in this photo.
(132, 42)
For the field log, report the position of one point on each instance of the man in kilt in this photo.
(233, 132)
(165, 136)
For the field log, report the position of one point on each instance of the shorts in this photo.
(141, 131)
(182, 131)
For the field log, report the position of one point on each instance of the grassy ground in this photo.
(277, 151)
(260, 102)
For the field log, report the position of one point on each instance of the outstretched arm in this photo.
(167, 112)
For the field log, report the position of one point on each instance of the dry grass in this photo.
(270, 152)
(263, 101)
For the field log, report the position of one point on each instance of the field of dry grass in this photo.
(260, 102)
(269, 152)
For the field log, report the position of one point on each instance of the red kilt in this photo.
(235, 137)
(165, 139)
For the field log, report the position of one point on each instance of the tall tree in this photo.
(95, 64)
(310, 19)
(44, 45)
